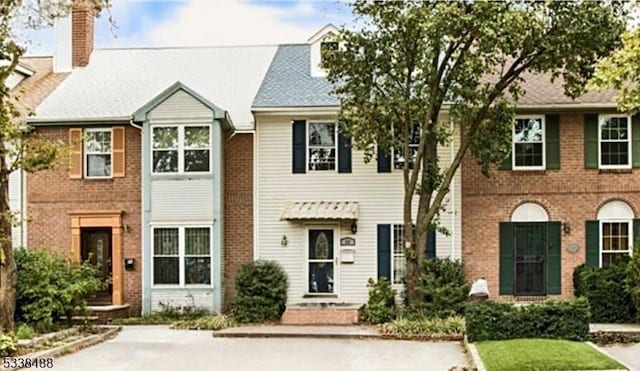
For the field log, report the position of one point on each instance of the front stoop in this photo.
(104, 314)
(320, 314)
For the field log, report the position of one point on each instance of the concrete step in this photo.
(320, 314)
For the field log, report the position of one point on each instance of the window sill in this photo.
(616, 171)
(529, 171)
(308, 296)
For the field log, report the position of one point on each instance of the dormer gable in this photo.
(321, 40)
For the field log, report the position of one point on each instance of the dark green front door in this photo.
(529, 258)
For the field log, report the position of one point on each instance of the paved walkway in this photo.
(158, 348)
(614, 327)
(628, 354)
(335, 332)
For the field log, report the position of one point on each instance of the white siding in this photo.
(181, 105)
(379, 195)
(16, 202)
(200, 298)
(181, 200)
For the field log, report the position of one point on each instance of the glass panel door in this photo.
(321, 259)
(530, 254)
(96, 249)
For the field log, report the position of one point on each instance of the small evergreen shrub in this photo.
(551, 319)
(8, 345)
(25, 332)
(381, 306)
(51, 285)
(261, 292)
(632, 281)
(212, 323)
(606, 289)
(443, 289)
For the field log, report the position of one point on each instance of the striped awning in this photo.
(320, 210)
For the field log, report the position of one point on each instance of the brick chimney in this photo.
(82, 18)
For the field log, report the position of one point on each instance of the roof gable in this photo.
(141, 113)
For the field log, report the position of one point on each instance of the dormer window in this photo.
(323, 42)
(326, 48)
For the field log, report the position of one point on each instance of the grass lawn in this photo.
(542, 354)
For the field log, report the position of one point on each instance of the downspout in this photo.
(23, 195)
(453, 194)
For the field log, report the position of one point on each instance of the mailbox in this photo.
(129, 264)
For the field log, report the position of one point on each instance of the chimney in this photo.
(73, 38)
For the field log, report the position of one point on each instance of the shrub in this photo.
(50, 285)
(442, 287)
(25, 332)
(552, 319)
(167, 315)
(8, 345)
(261, 292)
(607, 293)
(632, 281)
(213, 323)
(381, 306)
(432, 328)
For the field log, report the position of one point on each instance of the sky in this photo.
(156, 23)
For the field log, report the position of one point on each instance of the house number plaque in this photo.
(347, 241)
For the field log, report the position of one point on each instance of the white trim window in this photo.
(528, 143)
(615, 241)
(181, 149)
(182, 256)
(327, 47)
(322, 143)
(398, 260)
(614, 142)
(98, 149)
(414, 145)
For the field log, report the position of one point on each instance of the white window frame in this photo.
(393, 152)
(307, 148)
(629, 139)
(326, 40)
(629, 250)
(86, 153)
(181, 255)
(181, 147)
(393, 252)
(544, 143)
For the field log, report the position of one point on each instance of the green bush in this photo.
(433, 328)
(261, 292)
(381, 306)
(25, 332)
(632, 281)
(213, 323)
(442, 289)
(50, 285)
(8, 345)
(167, 315)
(607, 293)
(551, 319)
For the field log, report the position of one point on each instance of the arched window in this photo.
(530, 212)
(616, 232)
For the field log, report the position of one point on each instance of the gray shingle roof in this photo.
(288, 82)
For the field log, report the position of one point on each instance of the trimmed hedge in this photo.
(552, 320)
(606, 290)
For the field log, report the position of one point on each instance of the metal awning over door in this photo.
(320, 210)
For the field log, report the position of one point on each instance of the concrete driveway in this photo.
(628, 354)
(157, 348)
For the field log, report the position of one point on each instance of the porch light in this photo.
(354, 227)
(566, 227)
(284, 242)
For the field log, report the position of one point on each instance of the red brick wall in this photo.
(82, 26)
(51, 195)
(571, 194)
(238, 209)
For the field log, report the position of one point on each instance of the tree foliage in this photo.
(432, 63)
(18, 149)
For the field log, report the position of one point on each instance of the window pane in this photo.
(321, 277)
(614, 258)
(165, 161)
(165, 137)
(614, 153)
(197, 241)
(398, 269)
(165, 270)
(165, 241)
(98, 141)
(321, 134)
(197, 270)
(322, 159)
(196, 160)
(528, 130)
(321, 244)
(98, 165)
(528, 154)
(196, 137)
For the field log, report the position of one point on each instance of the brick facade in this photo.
(52, 195)
(238, 210)
(570, 194)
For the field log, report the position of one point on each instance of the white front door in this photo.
(321, 261)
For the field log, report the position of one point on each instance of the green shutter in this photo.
(506, 258)
(384, 251)
(592, 239)
(506, 164)
(635, 144)
(552, 133)
(430, 248)
(554, 259)
(636, 231)
(299, 147)
(344, 153)
(384, 160)
(590, 141)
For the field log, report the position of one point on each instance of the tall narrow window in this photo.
(97, 151)
(528, 143)
(615, 242)
(166, 257)
(414, 143)
(398, 268)
(322, 146)
(197, 260)
(615, 145)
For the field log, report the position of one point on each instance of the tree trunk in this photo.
(8, 270)
(411, 294)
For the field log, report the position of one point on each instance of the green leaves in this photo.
(261, 288)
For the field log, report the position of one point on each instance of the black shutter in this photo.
(592, 238)
(635, 144)
(299, 146)
(384, 161)
(552, 138)
(554, 259)
(636, 232)
(384, 251)
(506, 259)
(430, 248)
(591, 141)
(344, 153)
